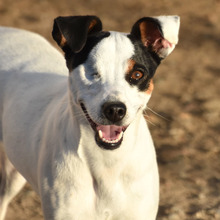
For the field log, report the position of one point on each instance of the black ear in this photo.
(158, 34)
(73, 31)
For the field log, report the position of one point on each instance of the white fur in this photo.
(170, 28)
(50, 142)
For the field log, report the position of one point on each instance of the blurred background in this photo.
(185, 107)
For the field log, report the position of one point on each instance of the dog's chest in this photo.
(118, 185)
(118, 195)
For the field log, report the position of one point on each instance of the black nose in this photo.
(114, 111)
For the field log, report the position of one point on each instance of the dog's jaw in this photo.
(108, 137)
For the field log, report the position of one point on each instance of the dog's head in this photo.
(110, 72)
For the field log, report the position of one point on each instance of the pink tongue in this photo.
(110, 132)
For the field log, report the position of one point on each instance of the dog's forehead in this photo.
(113, 48)
(117, 47)
(103, 47)
(117, 51)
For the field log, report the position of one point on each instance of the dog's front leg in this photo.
(66, 190)
(11, 182)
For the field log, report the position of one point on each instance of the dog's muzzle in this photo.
(109, 136)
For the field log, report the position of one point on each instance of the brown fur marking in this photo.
(150, 88)
(92, 24)
(131, 64)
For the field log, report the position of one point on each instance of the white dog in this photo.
(80, 138)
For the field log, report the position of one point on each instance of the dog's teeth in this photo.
(110, 141)
(105, 140)
(100, 134)
(120, 135)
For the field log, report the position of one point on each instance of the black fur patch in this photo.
(146, 61)
(75, 59)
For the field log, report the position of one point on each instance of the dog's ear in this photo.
(159, 34)
(73, 31)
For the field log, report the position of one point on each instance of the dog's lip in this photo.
(91, 122)
(107, 136)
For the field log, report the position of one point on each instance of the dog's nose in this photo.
(114, 111)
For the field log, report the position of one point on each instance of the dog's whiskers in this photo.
(157, 114)
(147, 118)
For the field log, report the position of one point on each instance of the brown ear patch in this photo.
(63, 41)
(150, 35)
(92, 25)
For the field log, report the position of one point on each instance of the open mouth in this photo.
(107, 136)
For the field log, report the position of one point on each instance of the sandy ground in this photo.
(186, 95)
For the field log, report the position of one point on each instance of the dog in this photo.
(74, 128)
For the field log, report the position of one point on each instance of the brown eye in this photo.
(136, 75)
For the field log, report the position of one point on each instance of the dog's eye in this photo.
(136, 75)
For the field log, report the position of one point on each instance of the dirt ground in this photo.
(186, 95)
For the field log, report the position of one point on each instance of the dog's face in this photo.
(110, 72)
